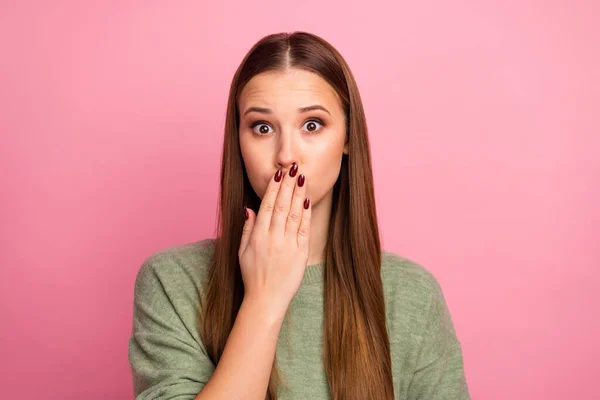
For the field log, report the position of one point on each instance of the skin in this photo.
(315, 140)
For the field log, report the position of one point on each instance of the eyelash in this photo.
(317, 120)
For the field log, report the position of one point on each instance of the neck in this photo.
(319, 229)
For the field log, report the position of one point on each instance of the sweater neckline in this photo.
(313, 273)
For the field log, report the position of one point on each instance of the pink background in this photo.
(484, 127)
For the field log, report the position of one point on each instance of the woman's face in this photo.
(276, 132)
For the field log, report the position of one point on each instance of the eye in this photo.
(312, 125)
(261, 130)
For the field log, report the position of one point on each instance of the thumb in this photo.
(248, 227)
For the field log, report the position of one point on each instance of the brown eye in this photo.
(313, 125)
(263, 128)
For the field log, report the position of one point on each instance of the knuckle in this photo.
(294, 217)
(303, 231)
(268, 207)
(280, 208)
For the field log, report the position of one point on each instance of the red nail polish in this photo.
(294, 170)
(301, 180)
(278, 175)
(306, 203)
(245, 212)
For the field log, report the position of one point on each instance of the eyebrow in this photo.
(301, 109)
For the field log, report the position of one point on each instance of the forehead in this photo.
(292, 87)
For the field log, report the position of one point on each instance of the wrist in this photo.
(264, 309)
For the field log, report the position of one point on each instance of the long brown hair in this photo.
(356, 348)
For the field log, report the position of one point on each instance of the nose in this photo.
(286, 152)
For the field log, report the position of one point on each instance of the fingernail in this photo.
(306, 203)
(278, 175)
(245, 212)
(294, 170)
(301, 180)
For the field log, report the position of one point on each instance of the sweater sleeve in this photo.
(167, 358)
(439, 371)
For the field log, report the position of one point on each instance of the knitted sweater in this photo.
(168, 359)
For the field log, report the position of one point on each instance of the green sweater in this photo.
(168, 360)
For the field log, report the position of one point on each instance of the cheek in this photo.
(327, 164)
(254, 169)
(249, 155)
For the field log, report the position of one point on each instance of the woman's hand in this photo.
(274, 248)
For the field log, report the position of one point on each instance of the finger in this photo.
(283, 201)
(304, 229)
(247, 230)
(294, 216)
(265, 211)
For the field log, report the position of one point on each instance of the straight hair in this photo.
(356, 347)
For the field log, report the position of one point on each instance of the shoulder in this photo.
(421, 329)
(167, 300)
(182, 267)
(411, 291)
(402, 275)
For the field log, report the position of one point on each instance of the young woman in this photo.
(294, 299)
